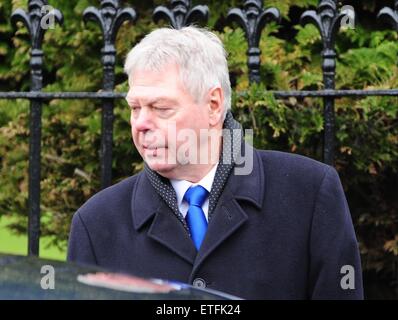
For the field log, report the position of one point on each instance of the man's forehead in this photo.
(162, 73)
(152, 94)
(162, 85)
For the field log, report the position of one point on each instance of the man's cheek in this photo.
(136, 143)
(171, 152)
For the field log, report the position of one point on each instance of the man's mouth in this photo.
(152, 147)
(152, 150)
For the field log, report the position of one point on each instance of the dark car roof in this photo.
(21, 278)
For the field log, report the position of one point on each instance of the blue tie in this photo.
(196, 196)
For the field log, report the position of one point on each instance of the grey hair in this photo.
(199, 54)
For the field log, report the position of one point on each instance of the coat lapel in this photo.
(228, 215)
(165, 228)
(228, 218)
(169, 231)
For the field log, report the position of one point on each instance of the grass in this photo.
(18, 244)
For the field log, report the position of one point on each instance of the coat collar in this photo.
(249, 187)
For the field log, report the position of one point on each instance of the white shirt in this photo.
(181, 186)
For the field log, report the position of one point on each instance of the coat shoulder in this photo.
(293, 167)
(109, 199)
(291, 160)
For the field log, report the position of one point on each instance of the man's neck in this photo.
(194, 175)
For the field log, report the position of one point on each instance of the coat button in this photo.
(199, 283)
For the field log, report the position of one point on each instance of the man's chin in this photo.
(164, 169)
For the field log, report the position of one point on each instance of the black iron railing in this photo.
(252, 17)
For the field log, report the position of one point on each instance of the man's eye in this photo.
(162, 110)
(135, 108)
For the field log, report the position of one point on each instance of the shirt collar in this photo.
(181, 186)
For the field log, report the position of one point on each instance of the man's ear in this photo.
(216, 106)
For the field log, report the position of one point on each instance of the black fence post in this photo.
(253, 18)
(36, 20)
(328, 22)
(180, 14)
(110, 17)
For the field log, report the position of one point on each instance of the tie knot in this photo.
(196, 196)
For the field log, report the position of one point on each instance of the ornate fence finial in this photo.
(328, 22)
(110, 17)
(180, 14)
(389, 15)
(253, 20)
(35, 21)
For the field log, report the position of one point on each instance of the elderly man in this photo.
(263, 225)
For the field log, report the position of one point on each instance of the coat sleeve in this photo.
(335, 265)
(80, 248)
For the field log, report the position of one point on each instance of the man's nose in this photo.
(143, 120)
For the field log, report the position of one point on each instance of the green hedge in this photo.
(367, 129)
